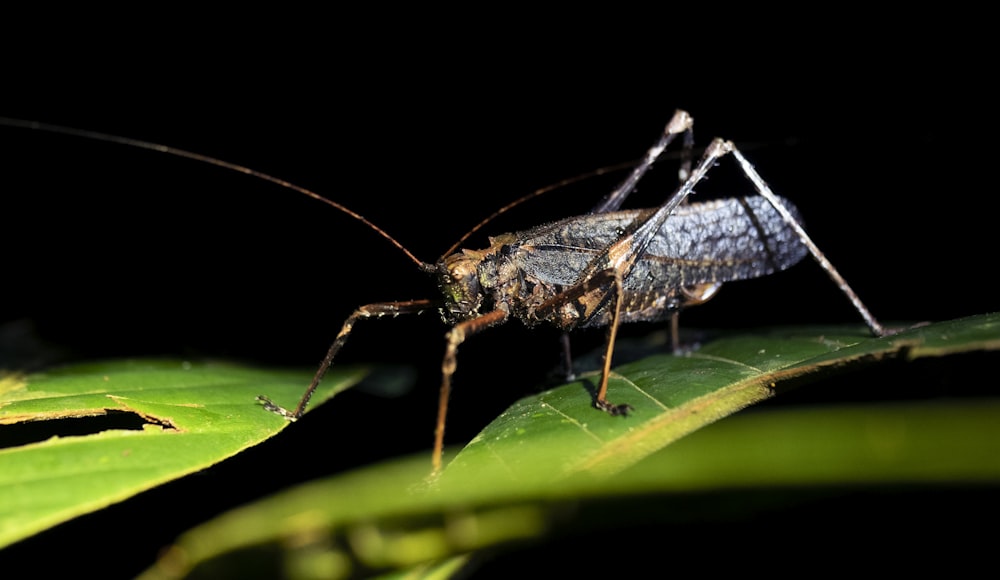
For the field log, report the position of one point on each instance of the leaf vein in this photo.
(573, 421)
(727, 361)
(641, 391)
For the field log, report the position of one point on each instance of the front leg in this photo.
(454, 338)
(377, 310)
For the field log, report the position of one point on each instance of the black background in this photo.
(879, 135)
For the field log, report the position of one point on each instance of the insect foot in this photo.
(271, 406)
(612, 409)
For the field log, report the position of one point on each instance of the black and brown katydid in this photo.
(607, 268)
(601, 269)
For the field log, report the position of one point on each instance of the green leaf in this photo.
(557, 433)
(515, 481)
(162, 420)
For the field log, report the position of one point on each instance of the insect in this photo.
(606, 268)
(600, 269)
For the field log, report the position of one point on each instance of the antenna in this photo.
(106, 137)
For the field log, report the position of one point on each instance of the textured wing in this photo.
(713, 241)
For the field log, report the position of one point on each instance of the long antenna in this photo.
(558, 185)
(211, 161)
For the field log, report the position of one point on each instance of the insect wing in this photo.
(721, 241)
(715, 241)
(559, 252)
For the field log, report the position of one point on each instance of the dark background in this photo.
(879, 135)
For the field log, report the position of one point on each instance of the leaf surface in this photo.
(146, 421)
